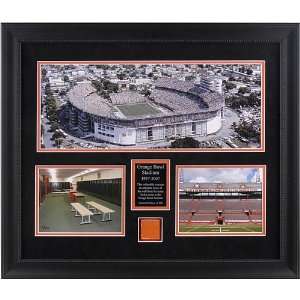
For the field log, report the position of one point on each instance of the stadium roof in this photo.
(170, 97)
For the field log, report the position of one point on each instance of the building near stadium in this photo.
(173, 109)
(211, 83)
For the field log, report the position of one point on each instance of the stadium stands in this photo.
(171, 103)
(207, 210)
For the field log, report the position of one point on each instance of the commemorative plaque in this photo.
(150, 184)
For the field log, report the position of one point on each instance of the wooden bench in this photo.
(100, 210)
(77, 195)
(74, 195)
(71, 197)
(83, 212)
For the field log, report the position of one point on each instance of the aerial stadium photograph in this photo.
(80, 200)
(150, 106)
(221, 201)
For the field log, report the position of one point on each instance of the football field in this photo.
(138, 109)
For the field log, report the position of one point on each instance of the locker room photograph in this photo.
(79, 201)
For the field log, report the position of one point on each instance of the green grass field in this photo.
(138, 109)
(224, 228)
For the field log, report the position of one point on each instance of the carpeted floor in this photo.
(56, 215)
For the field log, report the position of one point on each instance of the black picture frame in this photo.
(13, 38)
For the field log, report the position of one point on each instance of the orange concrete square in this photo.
(150, 229)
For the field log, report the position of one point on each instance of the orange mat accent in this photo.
(150, 229)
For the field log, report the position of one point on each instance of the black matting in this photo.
(172, 247)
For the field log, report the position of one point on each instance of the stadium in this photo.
(173, 109)
(220, 207)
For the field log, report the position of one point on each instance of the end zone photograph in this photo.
(80, 201)
(221, 200)
(95, 106)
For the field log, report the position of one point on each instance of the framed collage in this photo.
(150, 150)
